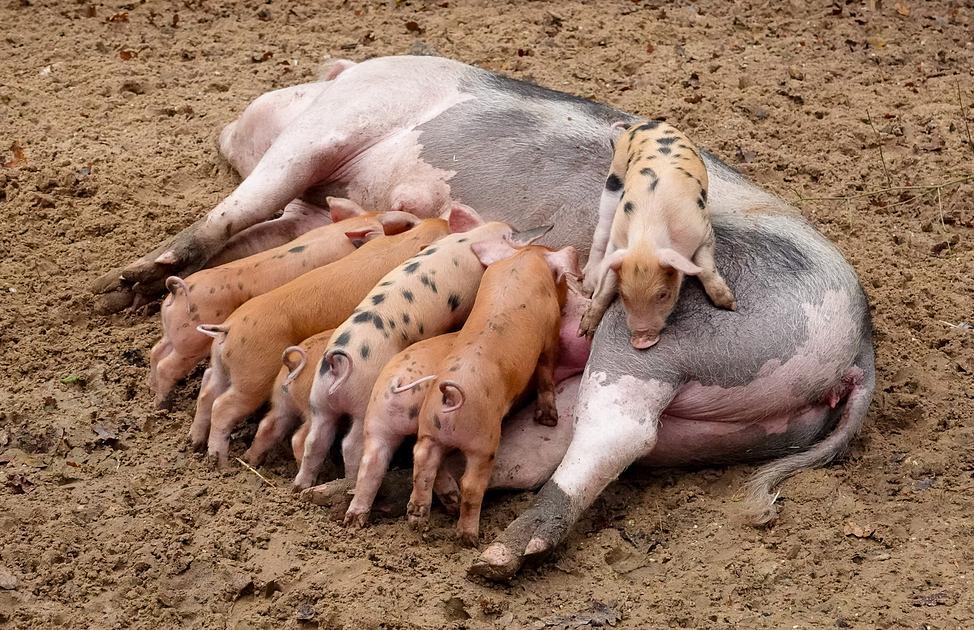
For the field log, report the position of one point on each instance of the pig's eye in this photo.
(662, 296)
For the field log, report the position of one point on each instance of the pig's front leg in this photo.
(611, 195)
(298, 217)
(616, 420)
(602, 299)
(713, 283)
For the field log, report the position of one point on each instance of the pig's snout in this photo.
(641, 341)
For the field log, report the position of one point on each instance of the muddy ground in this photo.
(108, 116)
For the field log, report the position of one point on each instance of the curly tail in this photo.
(398, 389)
(175, 285)
(759, 501)
(218, 332)
(294, 364)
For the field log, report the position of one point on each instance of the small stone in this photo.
(796, 73)
(8, 581)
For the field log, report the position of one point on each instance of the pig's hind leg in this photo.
(602, 299)
(713, 283)
(616, 424)
(171, 369)
(230, 409)
(373, 466)
(546, 411)
(213, 384)
(281, 419)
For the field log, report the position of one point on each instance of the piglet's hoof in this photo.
(215, 462)
(197, 444)
(467, 539)
(547, 416)
(418, 516)
(356, 519)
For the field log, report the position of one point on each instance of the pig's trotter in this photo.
(467, 539)
(356, 519)
(418, 515)
(546, 414)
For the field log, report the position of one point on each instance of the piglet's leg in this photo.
(545, 411)
(473, 485)
(272, 429)
(427, 457)
(324, 425)
(608, 203)
(378, 451)
(229, 410)
(713, 283)
(298, 218)
(352, 447)
(170, 370)
(616, 424)
(213, 384)
(604, 294)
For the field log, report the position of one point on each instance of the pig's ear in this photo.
(492, 251)
(563, 262)
(363, 235)
(614, 260)
(463, 218)
(526, 237)
(341, 209)
(670, 258)
(619, 126)
(396, 222)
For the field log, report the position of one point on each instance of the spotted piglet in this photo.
(209, 296)
(246, 354)
(653, 229)
(290, 401)
(510, 339)
(428, 295)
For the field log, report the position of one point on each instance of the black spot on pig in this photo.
(701, 203)
(386, 283)
(666, 141)
(364, 316)
(453, 301)
(378, 323)
(648, 172)
(212, 290)
(427, 251)
(278, 256)
(436, 421)
(406, 293)
(422, 329)
(653, 185)
(703, 193)
(456, 262)
(462, 240)
(428, 281)
(411, 267)
(414, 412)
(405, 318)
(323, 367)
(392, 323)
(664, 150)
(628, 207)
(297, 250)
(342, 339)
(378, 298)
(613, 183)
(647, 126)
(670, 131)
(364, 351)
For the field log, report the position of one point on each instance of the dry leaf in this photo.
(19, 156)
(852, 528)
(125, 55)
(119, 17)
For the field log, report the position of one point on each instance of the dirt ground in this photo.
(108, 117)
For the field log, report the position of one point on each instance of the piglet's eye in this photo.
(662, 296)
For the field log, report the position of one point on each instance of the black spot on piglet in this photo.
(453, 301)
(628, 207)
(613, 183)
(406, 293)
(378, 298)
(297, 250)
(364, 351)
(364, 316)
(343, 339)
(411, 267)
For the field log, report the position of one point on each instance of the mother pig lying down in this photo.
(790, 374)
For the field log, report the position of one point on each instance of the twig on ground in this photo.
(254, 470)
(880, 191)
(963, 115)
(882, 156)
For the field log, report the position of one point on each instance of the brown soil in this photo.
(106, 521)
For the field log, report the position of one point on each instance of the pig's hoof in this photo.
(216, 461)
(255, 460)
(417, 515)
(545, 416)
(196, 443)
(497, 563)
(356, 519)
(450, 501)
(113, 301)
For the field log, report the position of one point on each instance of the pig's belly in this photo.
(683, 441)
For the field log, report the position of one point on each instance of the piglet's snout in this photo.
(641, 341)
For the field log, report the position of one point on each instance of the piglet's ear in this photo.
(526, 237)
(396, 222)
(341, 209)
(614, 260)
(490, 252)
(564, 263)
(670, 258)
(364, 235)
(463, 218)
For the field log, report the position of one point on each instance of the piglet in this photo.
(510, 338)
(393, 412)
(246, 356)
(209, 296)
(289, 402)
(427, 295)
(653, 229)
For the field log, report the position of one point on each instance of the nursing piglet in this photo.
(246, 356)
(290, 401)
(209, 296)
(429, 294)
(653, 229)
(509, 340)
